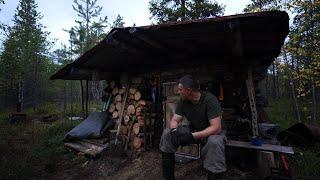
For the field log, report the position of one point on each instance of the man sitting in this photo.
(203, 112)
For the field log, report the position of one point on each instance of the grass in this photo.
(29, 149)
(35, 149)
(305, 163)
(281, 112)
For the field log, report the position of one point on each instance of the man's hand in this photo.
(181, 136)
(185, 136)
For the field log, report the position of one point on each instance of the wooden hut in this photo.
(229, 55)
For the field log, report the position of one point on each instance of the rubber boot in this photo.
(168, 166)
(215, 176)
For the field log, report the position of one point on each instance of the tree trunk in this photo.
(20, 94)
(260, 5)
(275, 88)
(314, 103)
(65, 98)
(312, 58)
(297, 111)
(267, 85)
(292, 86)
(183, 9)
(277, 83)
(87, 24)
(36, 83)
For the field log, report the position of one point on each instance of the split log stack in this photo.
(137, 123)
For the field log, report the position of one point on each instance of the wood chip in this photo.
(118, 98)
(137, 96)
(115, 91)
(112, 108)
(123, 130)
(140, 118)
(131, 96)
(142, 103)
(138, 111)
(118, 106)
(115, 114)
(121, 91)
(126, 119)
(132, 90)
(136, 128)
(131, 110)
(133, 102)
(137, 142)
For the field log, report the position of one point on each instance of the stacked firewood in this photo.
(136, 121)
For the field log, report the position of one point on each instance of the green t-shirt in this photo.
(198, 114)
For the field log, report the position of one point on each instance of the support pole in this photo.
(82, 99)
(252, 101)
(87, 97)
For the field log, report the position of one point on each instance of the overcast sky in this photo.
(59, 15)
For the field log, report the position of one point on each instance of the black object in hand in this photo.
(174, 137)
(181, 136)
(185, 136)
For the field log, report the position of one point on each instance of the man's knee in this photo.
(166, 132)
(214, 154)
(165, 135)
(165, 142)
(216, 140)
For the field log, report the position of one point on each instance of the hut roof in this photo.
(251, 38)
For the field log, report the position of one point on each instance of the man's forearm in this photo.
(211, 130)
(173, 124)
(175, 121)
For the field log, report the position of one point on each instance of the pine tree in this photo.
(90, 28)
(263, 5)
(2, 26)
(118, 22)
(304, 49)
(266, 5)
(176, 10)
(62, 55)
(24, 51)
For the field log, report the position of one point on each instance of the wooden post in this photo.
(82, 99)
(265, 163)
(71, 98)
(87, 97)
(314, 103)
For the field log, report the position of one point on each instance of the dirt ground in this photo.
(117, 165)
(36, 151)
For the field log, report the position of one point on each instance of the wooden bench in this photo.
(264, 147)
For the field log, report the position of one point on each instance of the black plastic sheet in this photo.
(94, 126)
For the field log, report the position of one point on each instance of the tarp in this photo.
(94, 126)
(300, 135)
